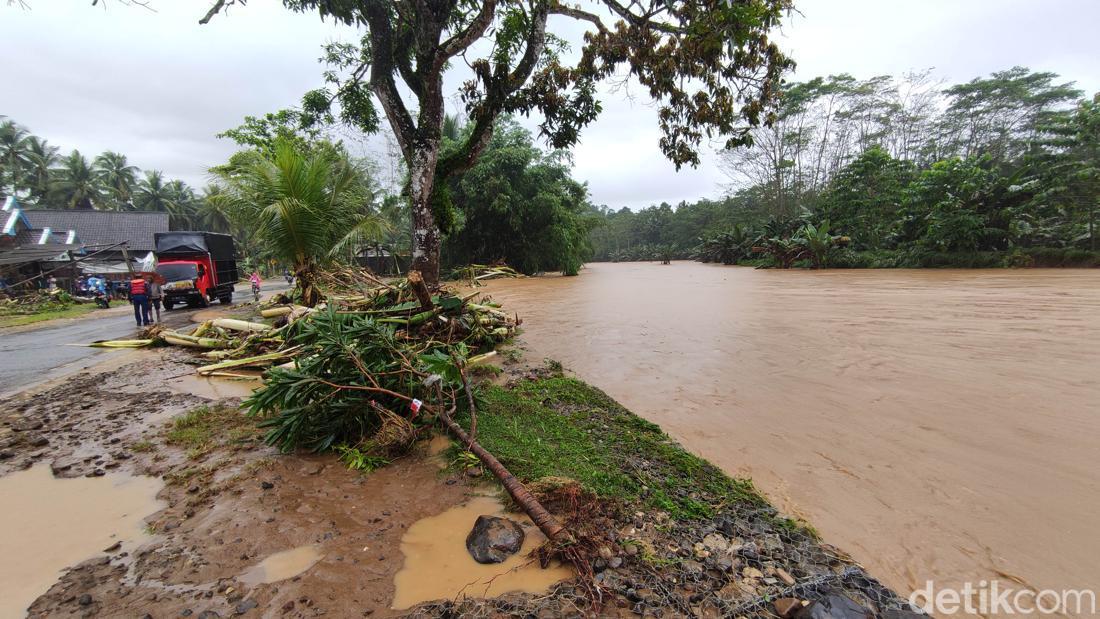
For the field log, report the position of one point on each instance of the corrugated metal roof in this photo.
(103, 227)
(35, 253)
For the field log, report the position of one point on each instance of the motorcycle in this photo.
(256, 291)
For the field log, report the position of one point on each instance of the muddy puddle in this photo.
(48, 524)
(216, 388)
(437, 565)
(936, 424)
(283, 565)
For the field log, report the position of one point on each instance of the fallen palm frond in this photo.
(122, 343)
(180, 339)
(240, 325)
(258, 360)
(337, 373)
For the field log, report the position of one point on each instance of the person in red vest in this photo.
(139, 296)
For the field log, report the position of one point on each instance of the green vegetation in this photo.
(68, 311)
(143, 446)
(360, 460)
(360, 363)
(205, 428)
(308, 205)
(517, 205)
(999, 171)
(562, 427)
(690, 56)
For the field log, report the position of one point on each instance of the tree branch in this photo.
(381, 79)
(578, 14)
(471, 33)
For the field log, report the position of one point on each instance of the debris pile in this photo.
(481, 272)
(37, 302)
(352, 373)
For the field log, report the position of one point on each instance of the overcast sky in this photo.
(156, 86)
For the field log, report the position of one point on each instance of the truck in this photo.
(198, 267)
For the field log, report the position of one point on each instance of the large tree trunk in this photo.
(425, 234)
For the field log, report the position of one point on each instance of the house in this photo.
(39, 240)
(26, 251)
(98, 230)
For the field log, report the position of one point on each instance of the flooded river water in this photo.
(936, 424)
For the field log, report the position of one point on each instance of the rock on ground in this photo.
(494, 539)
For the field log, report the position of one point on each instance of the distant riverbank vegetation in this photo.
(895, 172)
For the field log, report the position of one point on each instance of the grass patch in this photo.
(563, 427)
(73, 311)
(205, 428)
(143, 446)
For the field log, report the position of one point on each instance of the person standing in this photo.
(155, 294)
(139, 297)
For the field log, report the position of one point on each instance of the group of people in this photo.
(146, 293)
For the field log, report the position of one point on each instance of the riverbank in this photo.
(840, 258)
(672, 534)
(937, 424)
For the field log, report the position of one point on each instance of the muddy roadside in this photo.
(227, 503)
(238, 528)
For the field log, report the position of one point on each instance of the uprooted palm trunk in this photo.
(545, 521)
(306, 279)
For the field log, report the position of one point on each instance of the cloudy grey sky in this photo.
(157, 86)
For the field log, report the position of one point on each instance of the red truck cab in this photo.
(198, 267)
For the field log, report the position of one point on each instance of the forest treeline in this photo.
(887, 172)
(1001, 170)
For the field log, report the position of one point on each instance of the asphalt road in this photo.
(31, 357)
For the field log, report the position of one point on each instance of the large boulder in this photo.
(494, 539)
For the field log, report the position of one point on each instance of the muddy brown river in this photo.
(936, 424)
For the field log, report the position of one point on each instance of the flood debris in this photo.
(483, 272)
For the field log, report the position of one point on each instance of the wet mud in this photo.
(438, 566)
(49, 523)
(936, 424)
(215, 537)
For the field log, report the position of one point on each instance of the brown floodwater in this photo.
(935, 424)
(214, 387)
(283, 565)
(48, 524)
(438, 566)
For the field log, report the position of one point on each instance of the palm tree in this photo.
(213, 213)
(151, 194)
(182, 205)
(118, 179)
(75, 184)
(41, 159)
(13, 156)
(308, 208)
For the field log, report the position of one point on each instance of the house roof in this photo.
(11, 216)
(98, 228)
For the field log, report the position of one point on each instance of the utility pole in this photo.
(126, 259)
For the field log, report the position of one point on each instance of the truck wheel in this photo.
(227, 298)
(167, 305)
